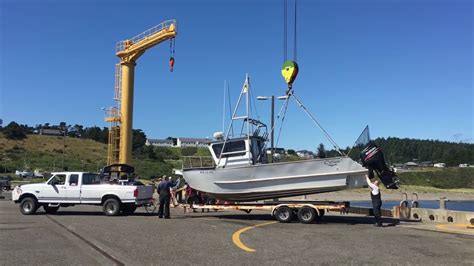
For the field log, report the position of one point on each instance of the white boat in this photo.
(238, 170)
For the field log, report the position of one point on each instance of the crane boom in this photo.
(129, 51)
(132, 48)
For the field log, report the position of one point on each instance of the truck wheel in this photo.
(50, 210)
(307, 215)
(111, 207)
(284, 214)
(128, 208)
(28, 206)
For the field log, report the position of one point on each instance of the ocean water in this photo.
(455, 205)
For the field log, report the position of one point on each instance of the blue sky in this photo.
(404, 67)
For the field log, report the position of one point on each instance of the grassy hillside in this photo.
(46, 153)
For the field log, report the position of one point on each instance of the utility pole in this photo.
(64, 148)
(272, 119)
(272, 126)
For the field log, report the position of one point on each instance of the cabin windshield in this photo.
(231, 149)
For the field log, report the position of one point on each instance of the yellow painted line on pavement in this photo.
(236, 236)
(462, 228)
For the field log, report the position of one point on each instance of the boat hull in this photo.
(266, 181)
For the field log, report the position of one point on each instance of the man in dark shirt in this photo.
(165, 196)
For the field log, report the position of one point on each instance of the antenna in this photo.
(223, 108)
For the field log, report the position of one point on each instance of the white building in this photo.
(439, 165)
(50, 132)
(159, 142)
(192, 142)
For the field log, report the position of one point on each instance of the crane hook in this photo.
(171, 63)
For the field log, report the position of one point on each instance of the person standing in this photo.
(376, 199)
(164, 190)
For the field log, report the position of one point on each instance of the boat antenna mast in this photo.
(246, 118)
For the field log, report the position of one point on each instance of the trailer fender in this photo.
(276, 207)
(318, 212)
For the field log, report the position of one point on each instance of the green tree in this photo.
(104, 136)
(162, 153)
(188, 151)
(94, 133)
(138, 139)
(14, 131)
(149, 152)
(321, 151)
(291, 152)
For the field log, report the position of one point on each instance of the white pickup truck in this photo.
(66, 189)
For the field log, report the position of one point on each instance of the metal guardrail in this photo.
(190, 162)
(164, 25)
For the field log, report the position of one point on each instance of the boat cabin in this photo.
(238, 151)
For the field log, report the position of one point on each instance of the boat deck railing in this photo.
(190, 162)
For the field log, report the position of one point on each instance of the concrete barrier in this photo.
(433, 215)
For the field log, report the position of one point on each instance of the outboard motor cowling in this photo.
(373, 159)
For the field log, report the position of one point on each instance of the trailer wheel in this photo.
(307, 215)
(284, 214)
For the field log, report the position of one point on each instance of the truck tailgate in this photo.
(144, 192)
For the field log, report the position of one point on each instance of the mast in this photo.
(247, 92)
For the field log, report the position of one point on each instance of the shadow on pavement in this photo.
(89, 213)
(352, 220)
(327, 219)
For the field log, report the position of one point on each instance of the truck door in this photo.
(55, 190)
(73, 194)
(91, 190)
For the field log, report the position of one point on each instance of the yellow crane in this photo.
(121, 117)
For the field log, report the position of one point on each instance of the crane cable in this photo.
(301, 105)
(285, 31)
(293, 66)
(172, 44)
(295, 37)
(284, 107)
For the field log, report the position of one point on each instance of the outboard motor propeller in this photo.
(372, 158)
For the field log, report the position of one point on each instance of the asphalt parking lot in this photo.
(83, 235)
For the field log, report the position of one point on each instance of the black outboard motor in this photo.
(372, 158)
